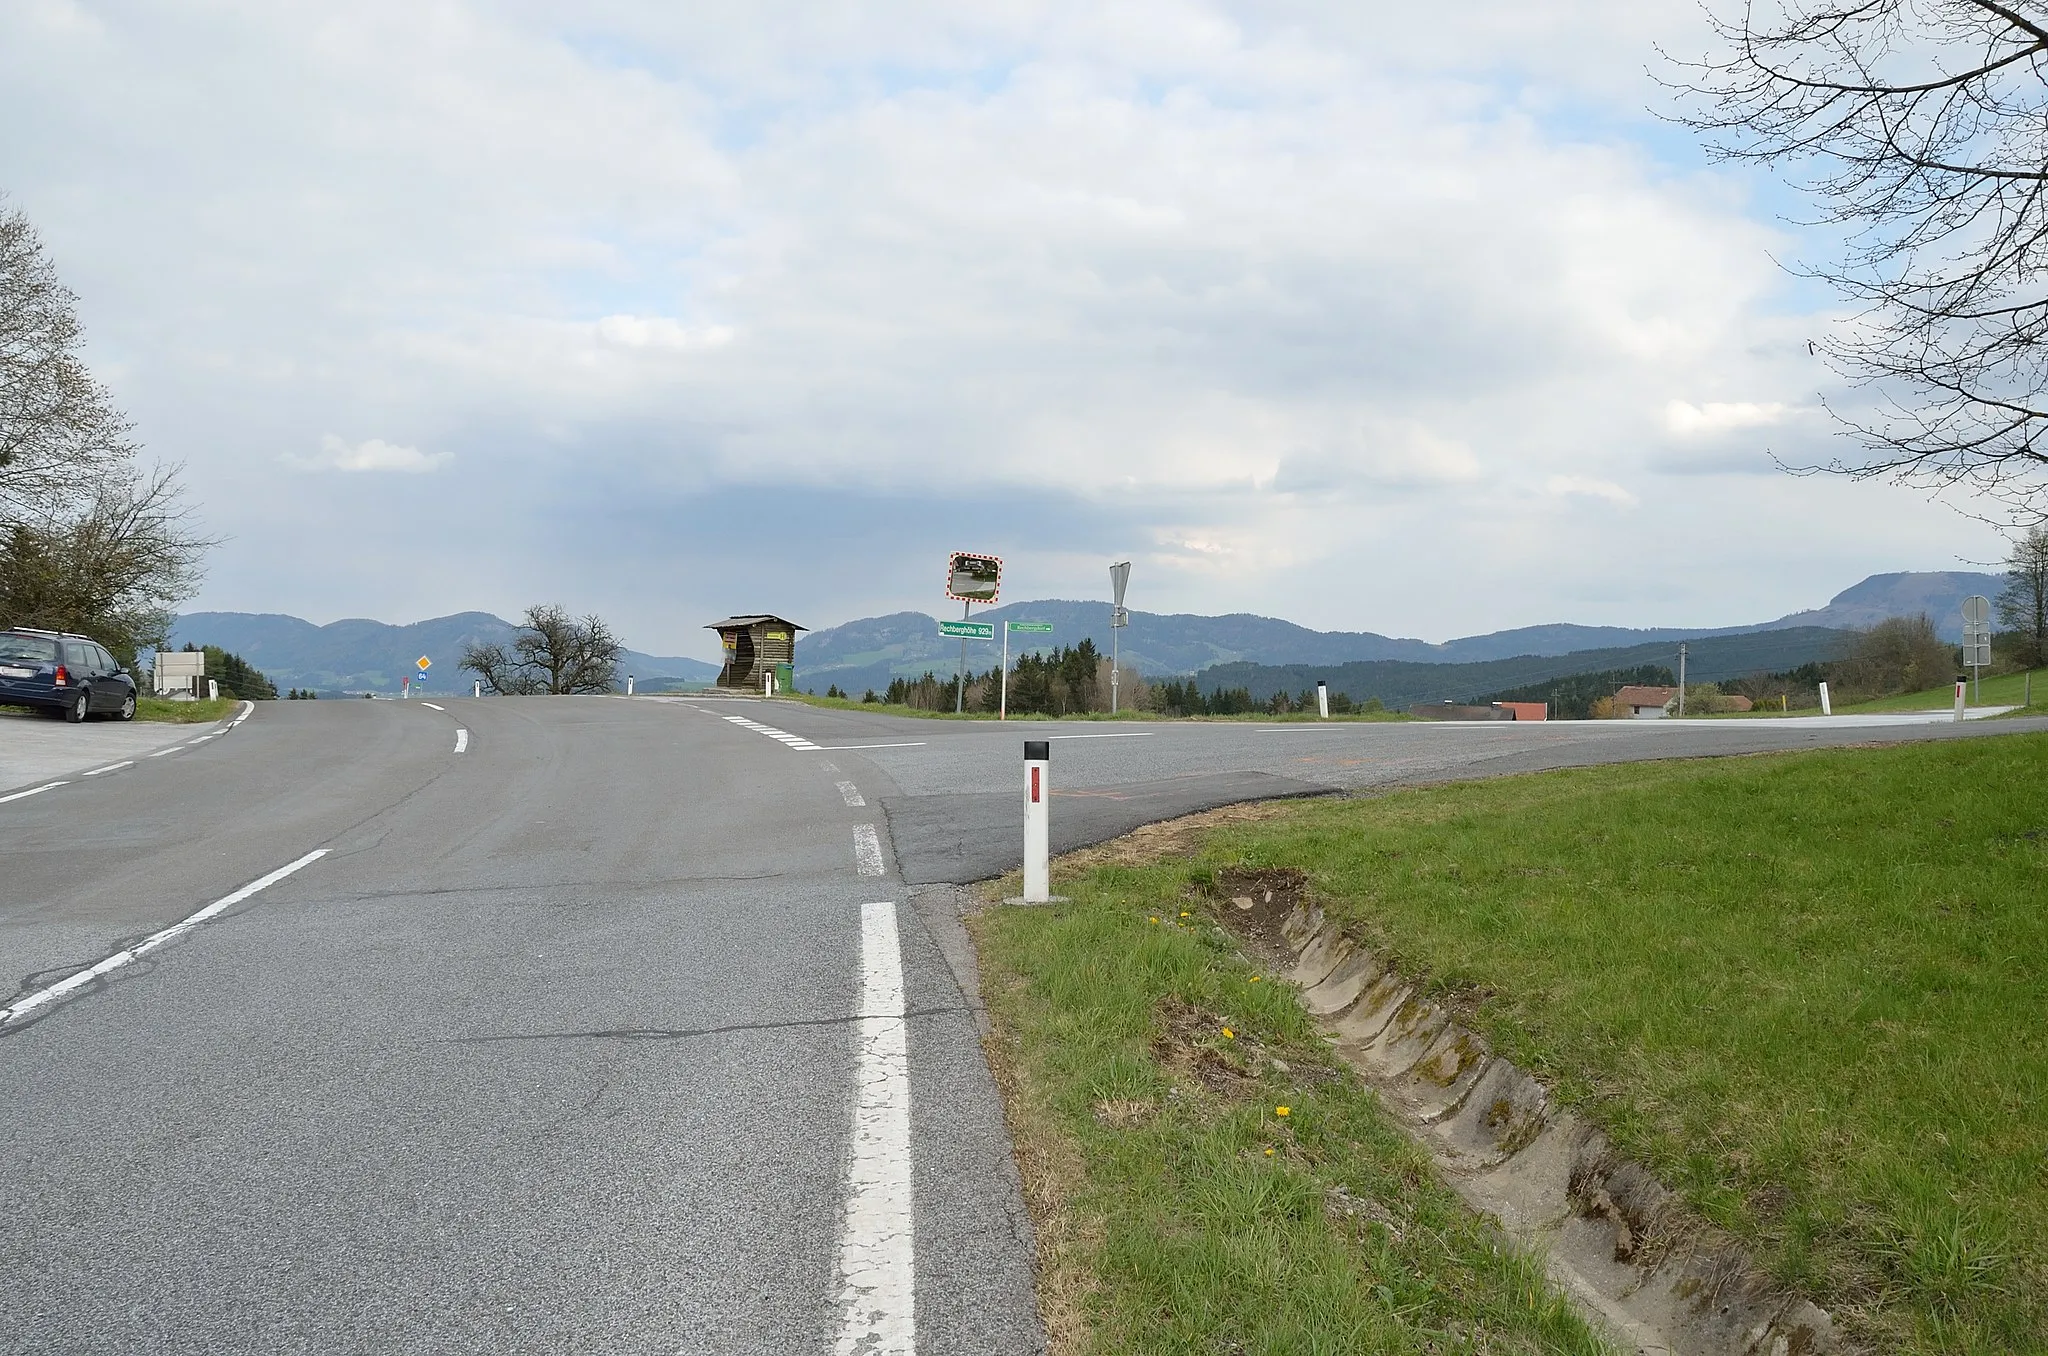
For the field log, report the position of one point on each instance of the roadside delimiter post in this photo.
(1322, 699)
(1037, 821)
(1826, 707)
(1962, 686)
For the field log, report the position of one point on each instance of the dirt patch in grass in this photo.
(1255, 902)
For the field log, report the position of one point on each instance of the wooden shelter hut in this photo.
(756, 647)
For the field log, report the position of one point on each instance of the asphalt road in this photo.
(623, 1028)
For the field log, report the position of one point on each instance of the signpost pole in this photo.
(1119, 577)
(1003, 701)
(960, 682)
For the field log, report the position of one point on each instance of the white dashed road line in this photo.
(877, 1256)
(111, 767)
(33, 791)
(867, 850)
(781, 736)
(851, 793)
(431, 707)
(43, 997)
(161, 752)
(461, 739)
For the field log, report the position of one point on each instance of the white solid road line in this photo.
(877, 1247)
(1120, 734)
(431, 707)
(248, 709)
(867, 850)
(851, 793)
(33, 791)
(461, 739)
(111, 767)
(835, 748)
(44, 997)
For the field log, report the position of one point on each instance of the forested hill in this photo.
(1400, 684)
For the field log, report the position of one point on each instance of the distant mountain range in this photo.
(357, 655)
(869, 652)
(361, 655)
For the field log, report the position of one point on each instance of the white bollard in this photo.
(1961, 688)
(629, 685)
(479, 687)
(1322, 699)
(213, 689)
(1037, 821)
(1826, 707)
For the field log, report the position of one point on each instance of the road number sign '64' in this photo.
(973, 578)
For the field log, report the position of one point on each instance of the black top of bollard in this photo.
(1037, 751)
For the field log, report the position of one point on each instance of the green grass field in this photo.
(1807, 989)
(1203, 1179)
(2007, 689)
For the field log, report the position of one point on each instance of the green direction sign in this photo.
(1030, 626)
(968, 630)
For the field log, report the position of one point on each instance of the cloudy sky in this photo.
(1413, 319)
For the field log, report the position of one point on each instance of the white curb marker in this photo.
(150, 943)
(867, 850)
(461, 739)
(850, 794)
(111, 767)
(877, 1247)
(33, 791)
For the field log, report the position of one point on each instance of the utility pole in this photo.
(1119, 576)
(1681, 679)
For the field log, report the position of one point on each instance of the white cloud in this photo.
(372, 454)
(1688, 420)
(1273, 286)
(1589, 488)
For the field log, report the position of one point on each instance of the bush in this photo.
(1900, 655)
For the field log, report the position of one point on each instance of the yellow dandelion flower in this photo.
(1152, 920)
(1255, 979)
(1280, 1111)
(1269, 1153)
(1184, 913)
(1228, 1034)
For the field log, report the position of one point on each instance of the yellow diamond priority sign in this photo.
(425, 663)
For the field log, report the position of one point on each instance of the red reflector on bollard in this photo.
(1034, 786)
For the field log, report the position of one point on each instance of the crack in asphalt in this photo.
(656, 1033)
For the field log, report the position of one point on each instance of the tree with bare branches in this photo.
(553, 653)
(92, 541)
(1920, 129)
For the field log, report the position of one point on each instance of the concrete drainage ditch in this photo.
(1615, 1239)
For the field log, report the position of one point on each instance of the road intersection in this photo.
(632, 1025)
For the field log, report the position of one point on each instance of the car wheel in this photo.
(128, 706)
(80, 705)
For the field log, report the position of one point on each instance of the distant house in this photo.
(1647, 703)
(758, 647)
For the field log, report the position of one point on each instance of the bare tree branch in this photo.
(1920, 130)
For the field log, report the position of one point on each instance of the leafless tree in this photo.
(2023, 603)
(1918, 128)
(114, 567)
(60, 434)
(553, 653)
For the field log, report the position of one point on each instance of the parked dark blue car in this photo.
(63, 673)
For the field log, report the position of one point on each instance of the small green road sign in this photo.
(1030, 626)
(968, 630)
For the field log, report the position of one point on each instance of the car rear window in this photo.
(26, 649)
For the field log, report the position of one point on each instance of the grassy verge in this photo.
(885, 708)
(1202, 1176)
(184, 713)
(2007, 689)
(1807, 989)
